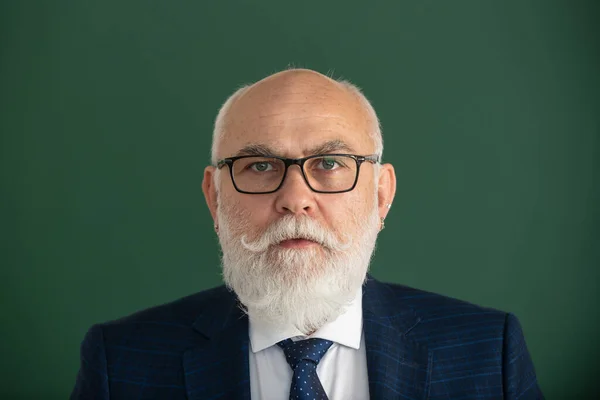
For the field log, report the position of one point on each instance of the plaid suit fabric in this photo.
(419, 346)
(454, 349)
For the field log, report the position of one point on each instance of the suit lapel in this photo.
(397, 367)
(218, 367)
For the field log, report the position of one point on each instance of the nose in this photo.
(295, 196)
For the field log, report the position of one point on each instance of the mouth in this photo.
(297, 243)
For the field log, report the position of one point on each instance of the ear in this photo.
(386, 188)
(210, 191)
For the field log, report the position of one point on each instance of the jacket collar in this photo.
(397, 366)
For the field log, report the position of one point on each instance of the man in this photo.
(298, 195)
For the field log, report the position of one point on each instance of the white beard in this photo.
(306, 287)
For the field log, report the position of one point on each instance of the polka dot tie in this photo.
(304, 356)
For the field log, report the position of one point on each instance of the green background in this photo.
(490, 113)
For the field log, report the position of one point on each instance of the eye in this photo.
(328, 163)
(261, 166)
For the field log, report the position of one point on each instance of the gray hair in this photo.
(220, 121)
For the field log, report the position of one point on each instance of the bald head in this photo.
(294, 102)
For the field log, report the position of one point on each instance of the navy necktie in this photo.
(304, 356)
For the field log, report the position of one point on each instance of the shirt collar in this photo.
(345, 329)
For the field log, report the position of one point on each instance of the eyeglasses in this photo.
(323, 173)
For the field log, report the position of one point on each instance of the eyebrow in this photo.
(330, 146)
(255, 149)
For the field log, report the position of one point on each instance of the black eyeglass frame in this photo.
(373, 159)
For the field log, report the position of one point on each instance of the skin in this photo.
(293, 113)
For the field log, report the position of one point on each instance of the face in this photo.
(300, 251)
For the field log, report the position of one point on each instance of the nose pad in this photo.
(293, 174)
(295, 195)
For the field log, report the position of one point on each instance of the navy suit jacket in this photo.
(419, 345)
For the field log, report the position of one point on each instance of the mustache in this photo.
(290, 227)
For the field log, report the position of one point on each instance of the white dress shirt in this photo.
(342, 371)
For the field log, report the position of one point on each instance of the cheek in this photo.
(260, 211)
(255, 211)
(355, 206)
(346, 210)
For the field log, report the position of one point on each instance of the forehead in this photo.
(295, 114)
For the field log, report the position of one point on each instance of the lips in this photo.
(297, 243)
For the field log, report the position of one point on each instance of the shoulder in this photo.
(147, 343)
(442, 320)
(464, 341)
(173, 319)
(431, 305)
(180, 311)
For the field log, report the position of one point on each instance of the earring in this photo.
(216, 228)
(389, 206)
(382, 224)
